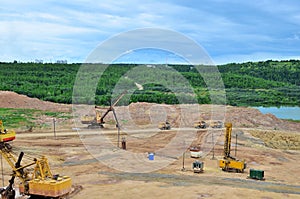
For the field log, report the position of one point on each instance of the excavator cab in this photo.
(6, 135)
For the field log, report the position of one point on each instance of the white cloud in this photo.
(80, 25)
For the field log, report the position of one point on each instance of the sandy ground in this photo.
(68, 156)
(92, 159)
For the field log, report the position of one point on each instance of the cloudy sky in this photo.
(228, 30)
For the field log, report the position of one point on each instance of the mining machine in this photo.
(37, 182)
(229, 163)
(6, 135)
(98, 120)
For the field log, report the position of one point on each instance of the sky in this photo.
(227, 30)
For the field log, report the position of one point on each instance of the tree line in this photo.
(269, 83)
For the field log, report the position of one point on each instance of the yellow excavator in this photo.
(229, 163)
(39, 183)
(6, 135)
(98, 120)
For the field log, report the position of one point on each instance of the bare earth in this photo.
(264, 141)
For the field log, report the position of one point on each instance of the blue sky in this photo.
(229, 31)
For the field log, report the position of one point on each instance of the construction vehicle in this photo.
(93, 121)
(200, 125)
(215, 124)
(198, 166)
(6, 135)
(229, 163)
(40, 183)
(97, 121)
(164, 125)
(195, 152)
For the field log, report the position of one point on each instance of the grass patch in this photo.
(20, 118)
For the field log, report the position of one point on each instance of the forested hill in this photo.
(269, 83)
(281, 71)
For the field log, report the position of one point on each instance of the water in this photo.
(282, 112)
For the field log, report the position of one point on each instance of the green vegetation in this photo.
(270, 83)
(15, 118)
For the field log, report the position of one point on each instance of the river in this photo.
(283, 112)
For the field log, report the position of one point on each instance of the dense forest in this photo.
(269, 83)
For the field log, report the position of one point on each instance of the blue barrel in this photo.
(151, 156)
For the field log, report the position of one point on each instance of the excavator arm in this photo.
(40, 183)
(9, 192)
(111, 108)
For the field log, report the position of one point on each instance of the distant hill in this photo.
(269, 83)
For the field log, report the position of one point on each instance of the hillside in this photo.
(270, 83)
(146, 114)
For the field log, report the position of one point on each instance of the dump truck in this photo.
(229, 163)
(216, 124)
(164, 125)
(200, 125)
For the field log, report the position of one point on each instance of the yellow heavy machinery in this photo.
(215, 124)
(229, 163)
(200, 125)
(98, 120)
(40, 183)
(93, 121)
(6, 135)
(164, 125)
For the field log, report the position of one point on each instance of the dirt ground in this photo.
(93, 160)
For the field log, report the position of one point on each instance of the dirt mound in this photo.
(278, 140)
(148, 115)
(253, 118)
(185, 115)
(10, 99)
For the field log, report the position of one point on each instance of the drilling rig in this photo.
(229, 163)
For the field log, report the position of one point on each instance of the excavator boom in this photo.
(98, 120)
(40, 183)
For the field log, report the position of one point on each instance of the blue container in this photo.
(151, 156)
